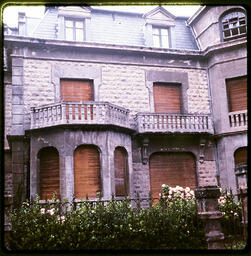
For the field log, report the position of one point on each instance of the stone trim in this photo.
(60, 71)
(168, 77)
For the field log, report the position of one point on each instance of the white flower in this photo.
(170, 192)
(235, 214)
(169, 197)
(51, 212)
(42, 210)
(163, 185)
(187, 189)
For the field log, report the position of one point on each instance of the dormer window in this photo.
(74, 30)
(160, 37)
(233, 25)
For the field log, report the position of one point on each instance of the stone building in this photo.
(120, 103)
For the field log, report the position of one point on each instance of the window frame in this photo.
(74, 29)
(160, 36)
(229, 22)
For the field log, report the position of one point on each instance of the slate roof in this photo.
(115, 27)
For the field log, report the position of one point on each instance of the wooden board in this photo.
(171, 169)
(49, 173)
(167, 98)
(86, 171)
(120, 175)
(237, 94)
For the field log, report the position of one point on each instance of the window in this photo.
(120, 172)
(160, 37)
(234, 25)
(87, 178)
(237, 93)
(167, 98)
(48, 173)
(173, 169)
(74, 30)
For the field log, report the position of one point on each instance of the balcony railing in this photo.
(96, 113)
(165, 123)
(238, 120)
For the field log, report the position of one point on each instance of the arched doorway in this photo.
(49, 181)
(172, 169)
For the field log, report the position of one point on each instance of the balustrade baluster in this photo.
(182, 122)
(178, 122)
(88, 113)
(70, 113)
(241, 121)
(75, 112)
(82, 112)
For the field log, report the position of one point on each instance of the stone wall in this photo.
(7, 113)
(123, 85)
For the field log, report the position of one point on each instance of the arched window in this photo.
(87, 180)
(240, 161)
(48, 173)
(120, 172)
(233, 24)
(172, 169)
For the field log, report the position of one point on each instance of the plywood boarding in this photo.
(120, 166)
(167, 98)
(237, 94)
(172, 169)
(74, 90)
(240, 156)
(86, 171)
(49, 173)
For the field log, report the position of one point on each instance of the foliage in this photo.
(106, 225)
(231, 221)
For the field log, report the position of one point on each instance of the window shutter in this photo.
(76, 90)
(86, 172)
(240, 156)
(49, 173)
(237, 94)
(167, 98)
(173, 169)
(120, 172)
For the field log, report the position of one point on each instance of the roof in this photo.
(117, 27)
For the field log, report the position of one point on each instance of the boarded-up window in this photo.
(240, 156)
(74, 90)
(172, 169)
(86, 171)
(167, 98)
(237, 94)
(120, 172)
(48, 173)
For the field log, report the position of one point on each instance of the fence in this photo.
(232, 227)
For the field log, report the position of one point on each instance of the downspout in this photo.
(216, 156)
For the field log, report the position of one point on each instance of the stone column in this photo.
(207, 203)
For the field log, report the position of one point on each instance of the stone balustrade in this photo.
(181, 123)
(238, 120)
(96, 113)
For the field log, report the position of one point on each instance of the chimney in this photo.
(21, 24)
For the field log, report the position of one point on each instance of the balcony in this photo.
(89, 113)
(173, 123)
(238, 120)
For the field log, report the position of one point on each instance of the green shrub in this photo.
(112, 225)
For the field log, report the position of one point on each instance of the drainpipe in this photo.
(216, 156)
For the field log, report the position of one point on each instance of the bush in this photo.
(113, 225)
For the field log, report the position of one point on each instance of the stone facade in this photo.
(124, 76)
